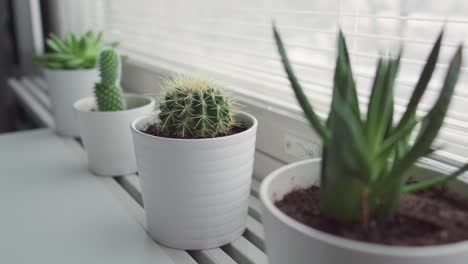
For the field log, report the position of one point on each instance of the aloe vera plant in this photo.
(72, 52)
(366, 157)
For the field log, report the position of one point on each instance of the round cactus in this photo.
(192, 107)
(107, 91)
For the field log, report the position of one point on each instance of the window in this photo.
(232, 41)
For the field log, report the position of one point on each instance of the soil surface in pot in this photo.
(155, 131)
(428, 217)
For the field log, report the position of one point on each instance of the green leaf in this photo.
(74, 62)
(344, 72)
(380, 110)
(75, 43)
(53, 46)
(98, 39)
(435, 181)
(351, 124)
(397, 135)
(423, 81)
(69, 41)
(434, 119)
(314, 120)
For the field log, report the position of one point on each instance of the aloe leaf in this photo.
(352, 125)
(310, 114)
(380, 110)
(397, 135)
(348, 92)
(434, 119)
(375, 98)
(435, 181)
(423, 81)
(341, 171)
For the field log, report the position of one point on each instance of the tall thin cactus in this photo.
(108, 92)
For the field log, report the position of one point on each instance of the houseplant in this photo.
(70, 72)
(105, 119)
(195, 160)
(360, 191)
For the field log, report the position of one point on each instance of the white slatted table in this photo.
(54, 211)
(249, 249)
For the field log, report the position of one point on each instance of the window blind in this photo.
(232, 40)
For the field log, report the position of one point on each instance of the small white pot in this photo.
(65, 87)
(289, 241)
(106, 135)
(195, 191)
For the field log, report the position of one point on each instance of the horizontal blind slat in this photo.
(234, 41)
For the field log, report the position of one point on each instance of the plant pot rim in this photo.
(345, 242)
(78, 108)
(69, 70)
(137, 121)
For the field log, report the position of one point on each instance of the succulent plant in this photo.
(366, 158)
(73, 52)
(108, 92)
(192, 107)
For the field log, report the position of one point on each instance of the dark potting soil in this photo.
(155, 131)
(429, 217)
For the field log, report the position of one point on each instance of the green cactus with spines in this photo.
(192, 107)
(107, 91)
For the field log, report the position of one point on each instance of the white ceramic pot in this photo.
(107, 137)
(65, 88)
(288, 241)
(195, 191)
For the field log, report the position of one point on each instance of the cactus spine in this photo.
(107, 91)
(193, 107)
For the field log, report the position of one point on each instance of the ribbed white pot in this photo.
(288, 241)
(195, 191)
(107, 137)
(65, 88)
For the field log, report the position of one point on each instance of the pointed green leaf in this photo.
(343, 66)
(434, 119)
(435, 181)
(310, 114)
(380, 110)
(351, 124)
(397, 135)
(423, 81)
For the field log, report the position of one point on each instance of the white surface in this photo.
(128, 187)
(54, 211)
(107, 137)
(288, 241)
(65, 88)
(195, 191)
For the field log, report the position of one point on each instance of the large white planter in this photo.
(107, 137)
(195, 191)
(288, 241)
(65, 87)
